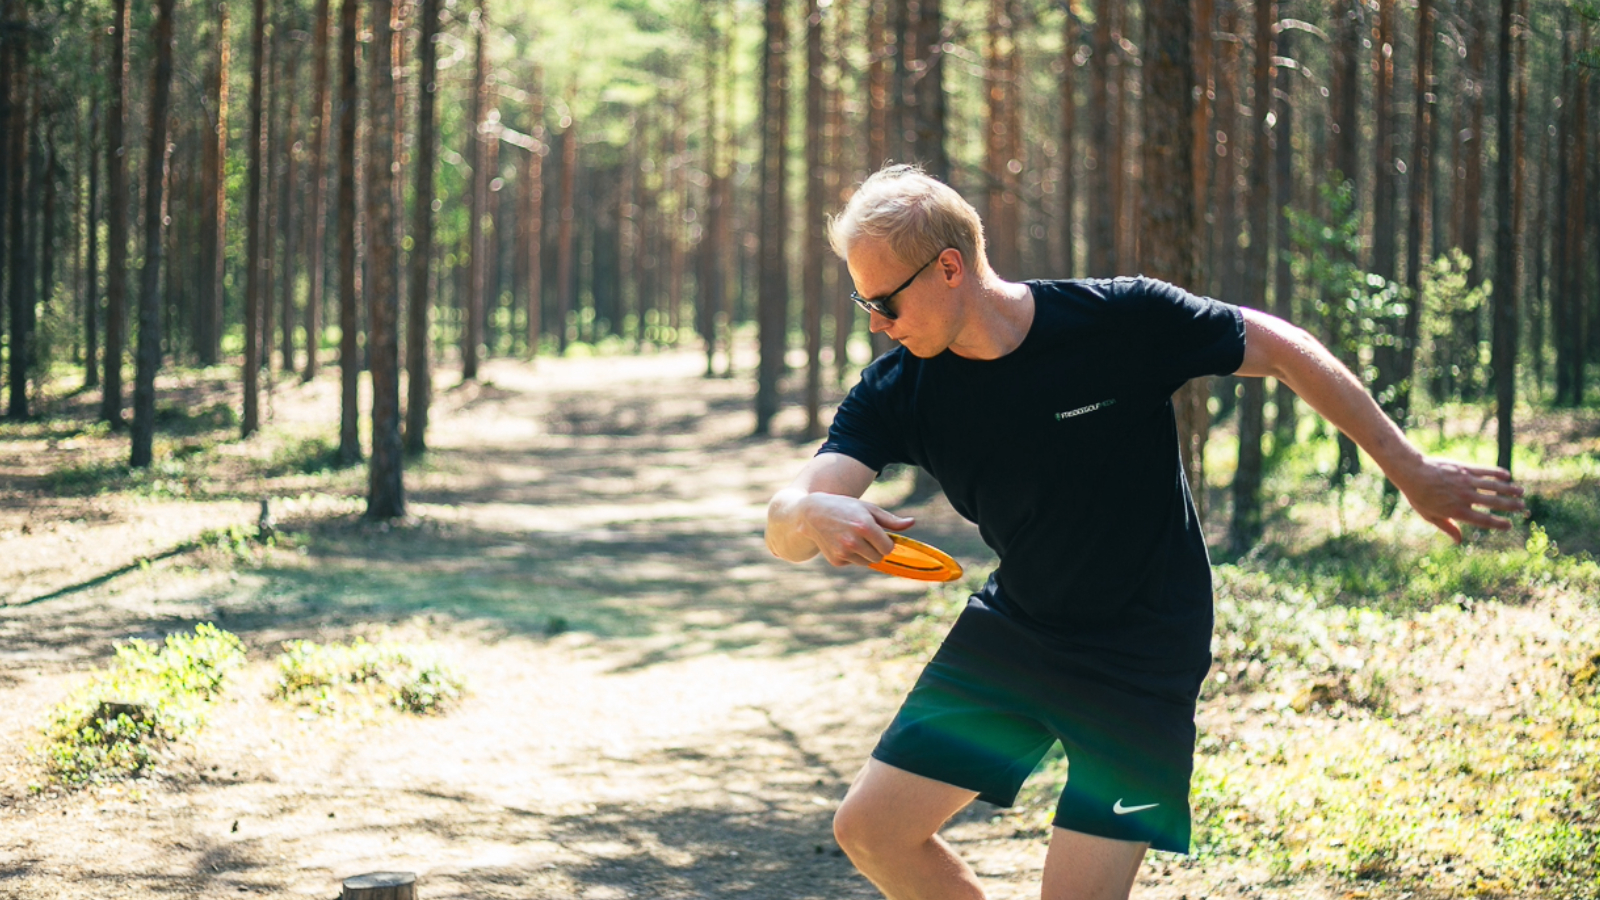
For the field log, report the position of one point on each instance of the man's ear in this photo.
(952, 267)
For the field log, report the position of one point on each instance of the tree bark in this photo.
(251, 421)
(816, 250)
(386, 496)
(419, 372)
(349, 272)
(149, 352)
(318, 216)
(1508, 230)
(565, 251)
(214, 201)
(1285, 421)
(91, 292)
(1246, 526)
(773, 287)
(1001, 219)
(532, 186)
(1346, 94)
(287, 192)
(1169, 203)
(1098, 160)
(116, 218)
(472, 338)
(924, 53)
(1067, 184)
(19, 289)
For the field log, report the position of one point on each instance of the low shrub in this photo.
(321, 676)
(150, 695)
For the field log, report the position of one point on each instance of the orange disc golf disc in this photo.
(913, 559)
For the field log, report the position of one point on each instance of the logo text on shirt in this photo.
(1084, 409)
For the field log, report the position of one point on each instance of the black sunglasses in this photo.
(880, 305)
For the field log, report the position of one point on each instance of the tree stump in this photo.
(381, 886)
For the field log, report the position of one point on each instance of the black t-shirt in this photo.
(1065, 454)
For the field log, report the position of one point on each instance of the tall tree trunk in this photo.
(1067, 183)
(1570, 331)
(565, 251)
(532, 186)
(6, 11)
(19, 291)
(1472, 187)
(877, 83)
(925, 51)
(386, 496)
(882, 115)
(116, 218)
(1246, 525)
(1508, 231)
(273, 176)
(1385, 227)
(149, 352)
(1346, 96)
(91, 292)
(254, 254)
(348, 225)
(1205, 12)
(772, 300)
(1285, 421)
(214, 200)
(318, 215)
(710, 276)
(1098, 158)
(1226, 265)
(1001, 220)
(1417, 208)
(288, 190)
(816, 250)
(472, 338)
(1169, 202)
(419, 372)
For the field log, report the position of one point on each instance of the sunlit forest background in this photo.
(412, 185)
(266, 253)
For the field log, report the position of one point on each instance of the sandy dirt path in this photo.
(657, 707)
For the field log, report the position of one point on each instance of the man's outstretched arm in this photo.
(1441, 491)
(821, 511)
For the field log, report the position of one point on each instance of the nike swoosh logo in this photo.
(1121, 810)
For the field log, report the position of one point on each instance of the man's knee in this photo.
(852, 827)
(866, 829)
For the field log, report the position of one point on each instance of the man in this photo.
(1043, 409)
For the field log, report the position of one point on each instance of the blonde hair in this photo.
(915, 215)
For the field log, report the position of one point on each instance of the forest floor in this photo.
(656, 707)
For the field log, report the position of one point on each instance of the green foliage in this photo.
(1454, 348)
(322, 676)
(117, 724)
(1361, 309)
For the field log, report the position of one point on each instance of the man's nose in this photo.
(876, 323)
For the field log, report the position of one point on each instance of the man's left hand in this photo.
(1447, 493)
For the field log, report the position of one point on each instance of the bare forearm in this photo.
(1442, 492)
(1328, 387)
(784, 537)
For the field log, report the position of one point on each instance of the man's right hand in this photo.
(821, 511)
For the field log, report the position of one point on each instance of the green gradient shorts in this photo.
(993, 701)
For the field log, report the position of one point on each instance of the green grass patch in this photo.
(325, 678)
(150, 695)
(306, 456)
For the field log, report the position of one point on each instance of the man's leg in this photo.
(889, 823)
(1085, 867)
